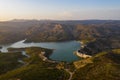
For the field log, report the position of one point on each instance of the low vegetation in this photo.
(101, 44)
(36, 69)
(9, 61)
(100, 39)
(102, 66)
(49, 31)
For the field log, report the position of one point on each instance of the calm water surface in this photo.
(63, 51)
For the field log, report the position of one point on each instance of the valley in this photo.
(56, 31)
(44, 50)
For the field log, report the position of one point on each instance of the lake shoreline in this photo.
(44, 57)
(62, 51)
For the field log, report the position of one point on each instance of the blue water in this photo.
(63, 51)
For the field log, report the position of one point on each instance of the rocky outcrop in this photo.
(82, 55)
(101, 44)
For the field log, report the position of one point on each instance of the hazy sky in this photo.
(59, 9)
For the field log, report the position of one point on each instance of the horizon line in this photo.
(56, 20)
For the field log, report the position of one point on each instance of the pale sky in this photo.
(59, 9)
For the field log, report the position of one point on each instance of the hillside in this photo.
(9, 61)
(47, 31)
(101, 44)
(35, 68)
(103, 66)
(100, 39)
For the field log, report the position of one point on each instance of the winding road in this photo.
(71, 73)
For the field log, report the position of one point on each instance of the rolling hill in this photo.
(47, 31)
(102, 66)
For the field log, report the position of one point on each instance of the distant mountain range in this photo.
(100, 38)
(54, 30)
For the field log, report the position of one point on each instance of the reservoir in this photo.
(63, 51)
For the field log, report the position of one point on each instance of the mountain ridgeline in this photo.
(99, 38)
(49, 31)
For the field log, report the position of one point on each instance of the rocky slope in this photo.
(103, 66)
(37, 31)
(101, 44)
